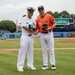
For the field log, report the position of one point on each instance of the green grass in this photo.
(65, 63)
(15, 43)
(10, 43)
(65, 59)
(60, 43)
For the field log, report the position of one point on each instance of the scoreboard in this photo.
(64, 21)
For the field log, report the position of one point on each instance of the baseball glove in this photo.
(44, 26)
(31, 27)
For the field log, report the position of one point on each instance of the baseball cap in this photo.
(40, 8)
(30, 9)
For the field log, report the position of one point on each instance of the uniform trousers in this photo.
(26, 46)
(47, 40)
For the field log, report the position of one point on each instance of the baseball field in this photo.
(64, 52)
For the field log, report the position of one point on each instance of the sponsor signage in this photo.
(62, 21)
(58, 34)
(71, 35)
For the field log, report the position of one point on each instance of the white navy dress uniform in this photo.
(26, 46)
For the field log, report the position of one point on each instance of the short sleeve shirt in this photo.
(47, 19)
(25, 22)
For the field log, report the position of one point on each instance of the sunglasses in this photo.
(31, 11)
(39, 9)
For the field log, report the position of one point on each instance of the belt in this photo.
(29, 34)
(45, 32)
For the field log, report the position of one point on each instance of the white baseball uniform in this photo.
(47, 40)
(26, 44)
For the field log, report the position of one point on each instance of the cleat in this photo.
(32, 68)
(44, 67)
(20, 69)
(53, 67)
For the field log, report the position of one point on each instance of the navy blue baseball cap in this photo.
(40, 8)
(30, 9)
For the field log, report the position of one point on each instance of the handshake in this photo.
(32, 27)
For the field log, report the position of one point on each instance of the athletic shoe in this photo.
(44, 67)
(53, 67)
(32, 68)
(20, 69)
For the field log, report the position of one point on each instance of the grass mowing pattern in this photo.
(15, 43)
(65, 63)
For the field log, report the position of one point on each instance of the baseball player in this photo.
(26, 45)
(45, 24)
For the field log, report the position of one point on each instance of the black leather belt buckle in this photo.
(29, 34)
(50, 31)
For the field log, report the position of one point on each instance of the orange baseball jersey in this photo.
(47, 19)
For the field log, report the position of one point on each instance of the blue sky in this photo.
(14, 9)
